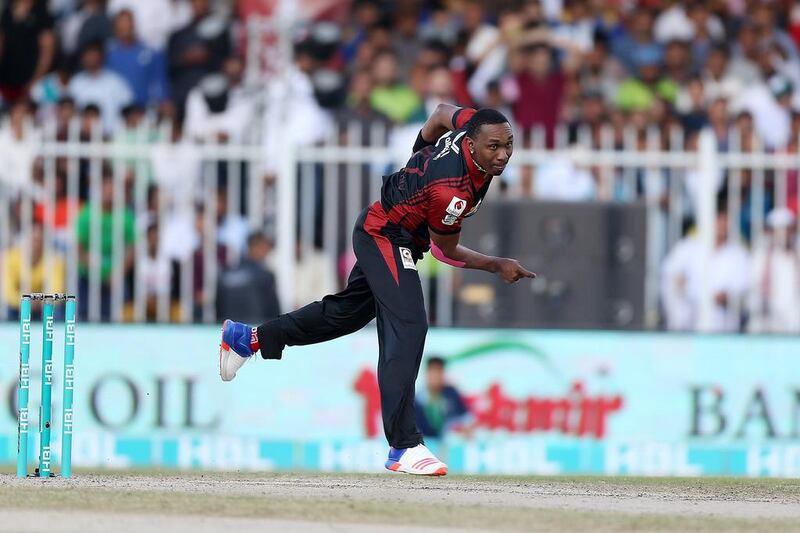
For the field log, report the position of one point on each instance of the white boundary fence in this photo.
(310, 205)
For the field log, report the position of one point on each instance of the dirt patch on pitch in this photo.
(386, 501)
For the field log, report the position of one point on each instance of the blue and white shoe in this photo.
(234, 348)
(417, 460)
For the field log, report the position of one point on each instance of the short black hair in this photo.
(486, 115)
(436, 361)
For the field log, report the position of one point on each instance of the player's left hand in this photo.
(512, 271)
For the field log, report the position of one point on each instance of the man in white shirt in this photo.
(682, 277)
(775, 285)
(97, 85)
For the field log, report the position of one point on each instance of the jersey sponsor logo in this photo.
(407, 257)
(457, 206)
(449, 220)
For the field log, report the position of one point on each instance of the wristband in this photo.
(421, 143)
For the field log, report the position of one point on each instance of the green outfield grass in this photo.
(451, 505)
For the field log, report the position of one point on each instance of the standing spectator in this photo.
(727, 269)
(540, 88)
(153, 272)
(142, 67)
(27, 46)
(775, 285)
(105, 222)
(639, 93)
(154, 20)
(99, 86)
(89, 23)
(440, 408)
(196, 50)
(16, 270)
(18, 139)
(219, 109)
(248, 292)
(390, 96)
(637, 40)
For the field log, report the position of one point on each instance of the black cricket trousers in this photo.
(384, 283)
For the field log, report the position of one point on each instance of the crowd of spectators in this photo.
(584, 65)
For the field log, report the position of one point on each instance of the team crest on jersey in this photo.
(454, 210)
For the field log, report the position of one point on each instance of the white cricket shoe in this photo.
(417, 460)
(234, 348)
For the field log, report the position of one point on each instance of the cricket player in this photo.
(421, 209)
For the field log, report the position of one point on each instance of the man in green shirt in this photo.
(98, 222)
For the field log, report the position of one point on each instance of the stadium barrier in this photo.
(542, 402)
(309, 198)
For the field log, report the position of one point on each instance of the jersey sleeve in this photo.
(443, 212)
(462, 116)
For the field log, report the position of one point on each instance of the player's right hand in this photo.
(512, 271)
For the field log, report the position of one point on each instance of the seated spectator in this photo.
(100, 86)
(51, 89)
(439, 406)
(391, 97)
(35, 276)
(775, 284)
(726, 271)
(27, 47)
(88, 225)
(248, 292)
(142, 67)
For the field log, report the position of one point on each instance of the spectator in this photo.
(726, 273)
(27, 46)
(775, 285)
(88, 23)
(153, 272)
(200, 274)
(20, 275)
(637, 41)
(196, 50)
(100, 86)
(154, 20)
(539, 91)
(391, 97)
(142, 67)
(17, 147)
(248, 292)
(717, 80)
(51, 89)
(99, 220)
(560, 178)
(219, 109)
(440, 407)
(639, 93)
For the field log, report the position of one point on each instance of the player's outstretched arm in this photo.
(446, 249)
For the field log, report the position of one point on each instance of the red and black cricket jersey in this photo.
(438, 188)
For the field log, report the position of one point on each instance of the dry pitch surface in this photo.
(179, 502)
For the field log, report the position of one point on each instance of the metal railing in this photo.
(96, 200)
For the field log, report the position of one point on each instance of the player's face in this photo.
(492, 147)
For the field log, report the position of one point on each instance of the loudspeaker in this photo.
(590, 259)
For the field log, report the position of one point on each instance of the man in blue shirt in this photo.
(143, 68)
(440, 407)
